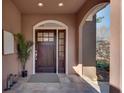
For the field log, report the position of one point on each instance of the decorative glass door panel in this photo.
(61, 51)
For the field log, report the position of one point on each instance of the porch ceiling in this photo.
(50, 6)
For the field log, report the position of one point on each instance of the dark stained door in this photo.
(45, 51)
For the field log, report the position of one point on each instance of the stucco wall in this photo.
(115, 48)
(28, 21)
(12, 23)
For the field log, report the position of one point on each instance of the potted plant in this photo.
(23, 51)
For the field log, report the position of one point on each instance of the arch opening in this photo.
(87, 43)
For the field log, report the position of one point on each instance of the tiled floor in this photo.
(67, 84)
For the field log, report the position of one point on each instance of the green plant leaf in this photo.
(99, 19)
(23, 48)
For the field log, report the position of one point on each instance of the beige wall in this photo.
(12, 23)
(115, 48)
(28, 21)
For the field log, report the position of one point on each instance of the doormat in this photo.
(44, 78)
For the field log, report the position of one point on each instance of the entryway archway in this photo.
(50, 51)
(87, 45)
(87, 41)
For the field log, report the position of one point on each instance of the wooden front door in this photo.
(45, 51)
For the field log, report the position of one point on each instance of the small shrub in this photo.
(102, 64)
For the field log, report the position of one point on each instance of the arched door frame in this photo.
(64, 26)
